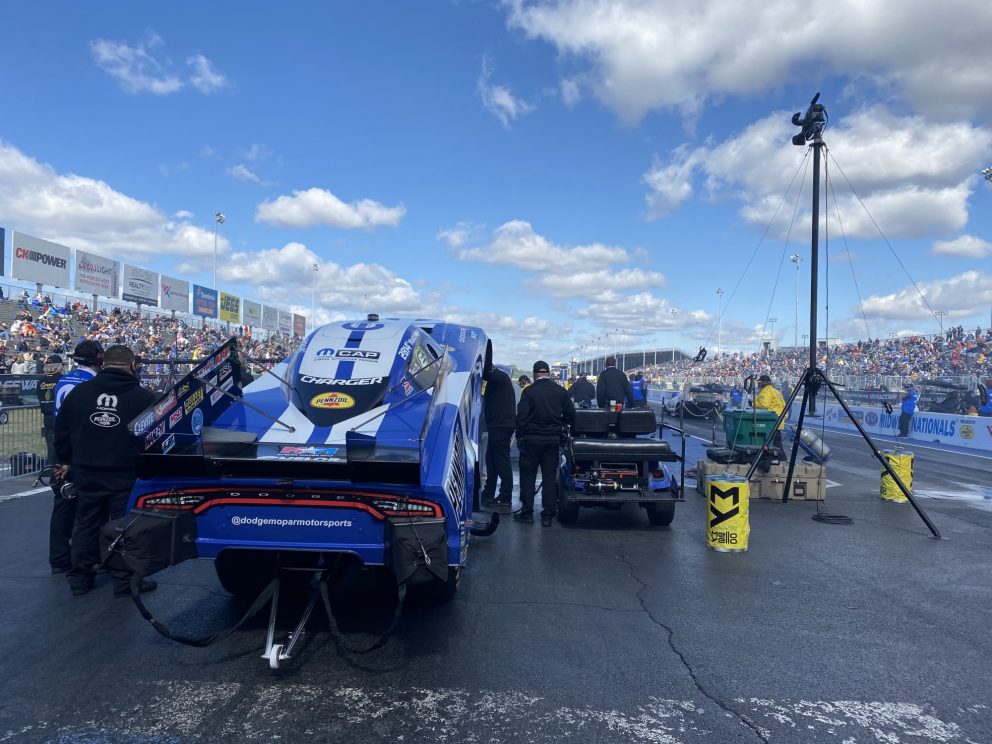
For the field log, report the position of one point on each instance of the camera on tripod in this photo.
(812, 122)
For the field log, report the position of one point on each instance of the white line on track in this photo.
(31, 492)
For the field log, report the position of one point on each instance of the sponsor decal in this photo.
(224, 372)
(967, 431)
(297, 451)
(227, 384)
(356, 354)
(362, 326)
(338, 382)
(332, 400)
(871, 418)
(175, 418)
(407, 387)
(155, 434)
(168, 444)
(106, 401)
(215, 396)
(239, 521)
(324, 354)
(105, 419)
(168, 402)
(407, 347)
(183, 389)
(43, 258)
(193, 400)
(144, 423)
(196, 421)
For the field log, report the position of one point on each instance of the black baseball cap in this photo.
(764, 378)
(54, 359)
(88, 352)
(541, 367)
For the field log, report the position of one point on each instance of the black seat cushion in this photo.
(639, 421)
(591, 422)
(622, 450)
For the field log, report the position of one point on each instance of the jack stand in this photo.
(276, 653)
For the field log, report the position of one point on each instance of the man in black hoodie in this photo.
(92, 442)
(500, 408)
(613, 385)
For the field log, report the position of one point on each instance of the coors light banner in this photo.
(37, 260)
(97, 275)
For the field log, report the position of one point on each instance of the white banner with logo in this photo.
(175, 294)
(97, 275)
(140, 285)
(286, 322)
(37, 260)
(251, 313)
(270, 318)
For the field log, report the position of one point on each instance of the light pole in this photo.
(675, 330)
(218, 220)
(796, 258)
(618, 348)
(940, 314)
(719, 318)
(313, 298)
(772, 332)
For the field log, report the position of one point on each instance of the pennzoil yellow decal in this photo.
(332, 400)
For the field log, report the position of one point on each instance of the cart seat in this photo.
(623, 450)
(591, 422)
(638, 421)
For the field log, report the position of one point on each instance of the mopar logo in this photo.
(347, 354)
(325, 354)
(106, 401)
(362, 326)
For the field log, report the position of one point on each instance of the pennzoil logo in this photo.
(332, 400)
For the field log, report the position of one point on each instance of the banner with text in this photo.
(251, 313)
(299, 325)
(204, 301)
(140, 285)
(3, 249)
(37, 260)
(230, 308)
(175, 294)
(270, 318)
(97, 275)
(285, 322)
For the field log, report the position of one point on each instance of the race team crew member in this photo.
(88, 355)
(95, 447)
(499, 406)
(63, 510)
(613, 385)
(544, 408)
(582, 392)
(908, 409)
(771, 399)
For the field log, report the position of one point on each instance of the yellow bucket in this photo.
(727, 525)
(902, 463)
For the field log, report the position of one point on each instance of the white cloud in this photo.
(915, 177)
(638, 56)
(509, 326)
(205, 77)
(241, 172)
(256, 152)
(961, 296)
(459, 235)
(499, 99)
(967, 246)
(86, 213)
(183, 214)
(591, 283)
(320, 207)
(516, 244)
(142, 68)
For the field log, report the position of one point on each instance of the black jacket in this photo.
(613, 385)
(91, 431)
(46, 399)
(544, 407)
(499, 402)
(582, 391)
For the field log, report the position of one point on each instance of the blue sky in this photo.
(552, 171)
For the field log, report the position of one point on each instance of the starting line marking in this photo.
(30, 492)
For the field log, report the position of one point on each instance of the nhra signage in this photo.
(204, 301)
(299, 325)
(230, 308)
(140, 286)
(97, 275)
(251, 313)
(37, 260)
(175, 294)
(270, 318)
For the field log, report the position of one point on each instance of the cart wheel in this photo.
(660, 513)
(4, 417)
(274, 653)
(568, 511)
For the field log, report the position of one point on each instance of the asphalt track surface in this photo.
(609, 631)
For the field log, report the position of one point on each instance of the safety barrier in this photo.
(22, 445)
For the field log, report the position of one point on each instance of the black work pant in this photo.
(100, 498)
(904, 419)
(63, 516)
(498, 464)
(546, 456)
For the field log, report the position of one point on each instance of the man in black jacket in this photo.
(499, 406)
(92, 442)
(613, 385)
(63, 509)
(582, 392)
(543, 409)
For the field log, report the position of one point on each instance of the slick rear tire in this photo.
(660, 513)
(436, 592)
(245, 573)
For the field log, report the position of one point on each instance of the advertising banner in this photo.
(252, 313)
(37, 260)
(204, 301)
(140, 285)
(3, 248)
(285, 322)
(175, 294)
(97, 275)
(270, 318)
(299, 325)
(230, 308)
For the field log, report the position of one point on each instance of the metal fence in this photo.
(22, 444)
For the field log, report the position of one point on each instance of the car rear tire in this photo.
(436, 592)
(660, 513)
(568, 511)
(245, 573)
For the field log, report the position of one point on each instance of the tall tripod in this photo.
(813, 377)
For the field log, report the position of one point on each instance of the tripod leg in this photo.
(795, 444)
(781, 418)
(881, 458)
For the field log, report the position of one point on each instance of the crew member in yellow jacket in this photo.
(771, 399)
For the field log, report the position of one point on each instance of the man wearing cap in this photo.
(543, 409)
(613, 385)
(771, 399)
(908, 409)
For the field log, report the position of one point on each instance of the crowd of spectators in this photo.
(956, 353)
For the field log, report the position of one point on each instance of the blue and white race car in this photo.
(361, 447)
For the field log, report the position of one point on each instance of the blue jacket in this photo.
(909, 402)
(67, 382)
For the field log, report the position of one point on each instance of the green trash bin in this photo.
(748, 428)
